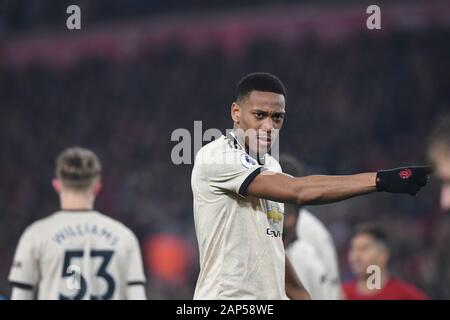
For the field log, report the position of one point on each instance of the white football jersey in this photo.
(77, 255)
(239, 236)
(312, 231)
(309, 268)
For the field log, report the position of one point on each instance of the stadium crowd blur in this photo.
(361, 105)
(21, 15)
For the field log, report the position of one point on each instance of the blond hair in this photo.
(78, 168)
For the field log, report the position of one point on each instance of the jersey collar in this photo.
(232, 136)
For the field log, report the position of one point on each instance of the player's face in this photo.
(364, 252)
(441, 160)
(259, 116)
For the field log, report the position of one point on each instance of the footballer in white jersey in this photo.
(314, 233)
(310, 269)
(311, 250)
(77, 253)
(241, 250)
(238, 199)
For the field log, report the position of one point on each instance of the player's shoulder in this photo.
(39, 226)
(216, 148)
(272, 163)
(115, 224)
(349, 287)
(409, 290)
(224, 152)
(395, 282)
(349, 290)
(311, 219)
(313, 225)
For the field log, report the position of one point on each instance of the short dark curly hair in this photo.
(259, 81)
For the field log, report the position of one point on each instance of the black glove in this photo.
(403, 180)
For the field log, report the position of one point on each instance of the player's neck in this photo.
(236, 133)
(76, 201)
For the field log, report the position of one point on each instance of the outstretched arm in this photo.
(311, 189)
(327, 189)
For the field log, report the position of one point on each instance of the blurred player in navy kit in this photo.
(370, 247)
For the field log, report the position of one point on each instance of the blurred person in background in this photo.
(77, 253)
(439, 154)
(309, 245)
(304, 258)
(370, 248)
(313, 232)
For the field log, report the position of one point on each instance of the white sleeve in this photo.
(21, 294)
(136, 292)
(136, 282)
(24, 273)
(234, 172)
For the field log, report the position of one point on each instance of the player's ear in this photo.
(97, 187)
(56, 183)
(235, 112)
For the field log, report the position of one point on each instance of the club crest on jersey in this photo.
(247, 161)
(274, 213)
